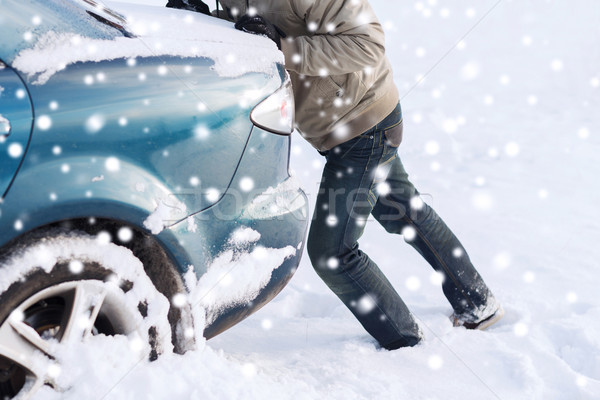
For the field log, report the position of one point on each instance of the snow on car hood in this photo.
(159, 31)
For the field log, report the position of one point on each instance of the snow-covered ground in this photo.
(502, 138)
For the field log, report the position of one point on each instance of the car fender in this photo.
(77, 188)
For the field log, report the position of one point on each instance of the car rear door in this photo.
(16, 118)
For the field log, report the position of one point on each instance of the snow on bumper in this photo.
(238, 264)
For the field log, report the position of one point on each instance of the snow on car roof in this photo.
(158, 31)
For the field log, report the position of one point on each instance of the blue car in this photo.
(144, 180)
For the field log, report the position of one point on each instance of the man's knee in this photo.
(319, 252)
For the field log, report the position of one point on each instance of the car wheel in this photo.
(61, 289)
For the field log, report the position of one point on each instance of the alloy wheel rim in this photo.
(58, 315)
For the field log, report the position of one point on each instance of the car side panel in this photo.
(160, 134)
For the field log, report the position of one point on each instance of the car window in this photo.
(23, 23)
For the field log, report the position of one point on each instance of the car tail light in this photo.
(276, 112)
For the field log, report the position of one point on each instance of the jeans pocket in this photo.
(393, 135)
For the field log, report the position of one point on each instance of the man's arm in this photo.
(345, 36)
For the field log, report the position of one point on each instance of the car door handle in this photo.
(4, 126)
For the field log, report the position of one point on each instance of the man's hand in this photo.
(192, 5)
(260, 26)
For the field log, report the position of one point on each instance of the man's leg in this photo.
(402, 209)
(344, 203)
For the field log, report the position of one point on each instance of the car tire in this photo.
(60, 287)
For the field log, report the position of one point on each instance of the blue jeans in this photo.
(363, 177)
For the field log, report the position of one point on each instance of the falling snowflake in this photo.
(571, 297)
(179, 300)
(583, 133)
(557, 65)
(331, 220)
(528, 277)
(482, 201)
(112, 164)
(246, 184)
(512, 149)
(333, 263)
(266, 324)
(212, 195)
(502, 260)
(94, 123)
(136, 343)
(365, 304)
(125, 234)
(493, 152)
(296, 58)
(53, 371)
(75, 266)
(194, 181)
(581, 381)
(409, 233)
(44, 122)
(412, 283)
(416, 203)
(103, 238)
(436, 278)
(201, 132)
(383, 188)
(450, 126)
(532, 100)
(15, 150)
(520, 329)
(432, 147)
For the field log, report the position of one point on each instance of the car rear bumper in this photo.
(242, 251)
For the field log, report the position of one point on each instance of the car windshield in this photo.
(23, 23)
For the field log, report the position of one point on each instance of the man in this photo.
(347, 108)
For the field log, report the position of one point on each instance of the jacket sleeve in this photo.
(343, 36)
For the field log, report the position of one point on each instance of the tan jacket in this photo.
(334, 51)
